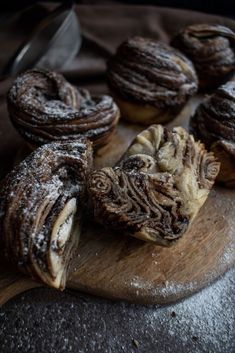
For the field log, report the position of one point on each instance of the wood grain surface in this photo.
(113, 265)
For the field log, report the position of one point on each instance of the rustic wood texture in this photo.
(119, 267)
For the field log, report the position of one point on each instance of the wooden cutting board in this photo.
(119, 267)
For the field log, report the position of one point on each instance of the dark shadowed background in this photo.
(225, 7)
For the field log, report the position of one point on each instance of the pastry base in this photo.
(143, 114)
(226, 175)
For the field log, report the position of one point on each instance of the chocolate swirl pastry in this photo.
(214, 124)
(150, 81)
(212, 50)
(44, 107)
(41, 208)
(157, 188)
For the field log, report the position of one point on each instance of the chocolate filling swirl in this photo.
(214, 124)
(157, 188)
(41, 208)
(146, 71)
(44, 107)
(212, 50)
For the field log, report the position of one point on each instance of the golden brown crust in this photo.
(40, 209)
(146, 72)
(157, 188)
(144, 114)
(44, 107)
(212, 50)
(214, 124)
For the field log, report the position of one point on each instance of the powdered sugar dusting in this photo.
(195, 319)
(166, 290)
(203, 323)
(44, 107)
